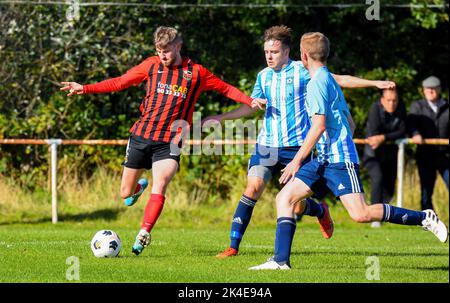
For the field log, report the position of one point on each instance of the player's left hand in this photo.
(385, 84)
(289, 171)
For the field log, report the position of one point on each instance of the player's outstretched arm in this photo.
(240, 112)
(133, 76)
(347, 81)
(212, 82)
(73, 88)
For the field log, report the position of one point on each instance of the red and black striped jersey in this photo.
(171, 93)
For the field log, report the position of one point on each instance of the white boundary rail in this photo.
(53, 143)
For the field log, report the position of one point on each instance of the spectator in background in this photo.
(386, 122)
(428, 118)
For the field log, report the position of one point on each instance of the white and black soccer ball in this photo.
(106, 244)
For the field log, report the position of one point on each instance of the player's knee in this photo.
(254, 190)
(282, 200)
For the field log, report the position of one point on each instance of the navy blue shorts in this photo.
(266, 162)
(274, 158)
(339, 178)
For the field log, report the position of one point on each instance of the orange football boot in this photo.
(326, 223)
(229, 252)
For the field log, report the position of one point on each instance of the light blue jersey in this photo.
(325, 97)
(286, 121)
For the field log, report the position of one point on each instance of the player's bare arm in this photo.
(243, 111)
(347, 81)
(317, 129)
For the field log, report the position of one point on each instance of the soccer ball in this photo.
(106, 244)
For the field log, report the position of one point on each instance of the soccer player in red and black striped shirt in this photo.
(173, 85)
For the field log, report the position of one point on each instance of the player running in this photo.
(173, 86)
(283, 84)
(336, 166)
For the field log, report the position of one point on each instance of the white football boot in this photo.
(143, 239)
(436, 226)
(271, 265)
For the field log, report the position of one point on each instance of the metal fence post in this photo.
(400, 169)
(54, 170)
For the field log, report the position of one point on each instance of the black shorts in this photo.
(142, 153)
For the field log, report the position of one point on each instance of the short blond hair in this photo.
(165, 36)
(280, 33)
(316, 45)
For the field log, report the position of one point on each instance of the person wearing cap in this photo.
(428, 118)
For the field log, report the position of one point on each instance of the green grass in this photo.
(193, 228)
(38, 253)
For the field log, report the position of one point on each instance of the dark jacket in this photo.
(424, 121)
(392, 126)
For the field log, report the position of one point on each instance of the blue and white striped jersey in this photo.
(325, 97)
(286, 121)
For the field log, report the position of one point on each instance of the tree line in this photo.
(41, 45)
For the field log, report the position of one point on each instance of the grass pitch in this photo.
(40, 252)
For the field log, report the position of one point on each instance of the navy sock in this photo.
(283, 239)
(241, 219)
(402, 216)
(313, 208)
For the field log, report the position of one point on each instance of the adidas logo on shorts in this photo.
(341, 187)
(405, 218)
(237, 220)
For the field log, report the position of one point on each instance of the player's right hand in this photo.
(289, 171)
(385, 84)
(259, 103)
(73, 88)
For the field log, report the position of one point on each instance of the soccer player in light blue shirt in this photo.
(285, 120)
(281, 89)
(337, 163)
(325, 98)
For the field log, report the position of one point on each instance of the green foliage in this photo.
(39, 48)
(427, 17)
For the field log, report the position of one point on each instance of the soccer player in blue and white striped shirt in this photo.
(283, 85)
(337, 164)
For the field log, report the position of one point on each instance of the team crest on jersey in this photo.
(289, 80)
(187, 75)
